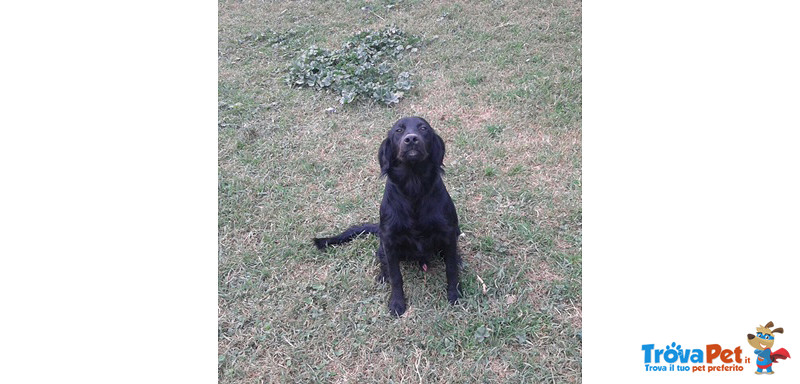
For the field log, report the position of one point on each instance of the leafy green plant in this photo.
(482, 333)
(363, 67)
(269, 37)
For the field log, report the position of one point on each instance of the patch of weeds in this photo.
(269, 37)
(486, 244)
(494, 130)
(364, 67)
(389, 4)
(516, 170)
(482, 333)
(475, 78)
(447, 13)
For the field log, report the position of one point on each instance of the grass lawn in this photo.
(500, 81)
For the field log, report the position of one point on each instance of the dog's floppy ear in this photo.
(437, 151)
(385, 155)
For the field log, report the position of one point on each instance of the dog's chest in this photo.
(419, 221)
(419, 226)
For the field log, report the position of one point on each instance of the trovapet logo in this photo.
(675, 358)
(715, 357)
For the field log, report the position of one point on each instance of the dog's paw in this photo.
(453, 295)
(397, 306)
(382, 276)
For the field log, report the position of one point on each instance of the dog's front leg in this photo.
(452, 263)
(397, 301)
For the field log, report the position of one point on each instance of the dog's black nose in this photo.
(750, 336)
(411, 138)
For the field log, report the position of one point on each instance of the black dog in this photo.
(418, 218)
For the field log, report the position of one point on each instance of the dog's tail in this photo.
(349, 234)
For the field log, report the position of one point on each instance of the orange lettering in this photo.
(712, 351)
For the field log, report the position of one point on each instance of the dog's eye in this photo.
(423, 128)
(399, 130)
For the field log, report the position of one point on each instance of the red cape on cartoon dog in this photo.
(779, 354)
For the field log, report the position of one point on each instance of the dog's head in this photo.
(411, 141)
(764, 337)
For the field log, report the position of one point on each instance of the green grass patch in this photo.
(494, 130)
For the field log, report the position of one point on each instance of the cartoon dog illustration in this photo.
(762, 341)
